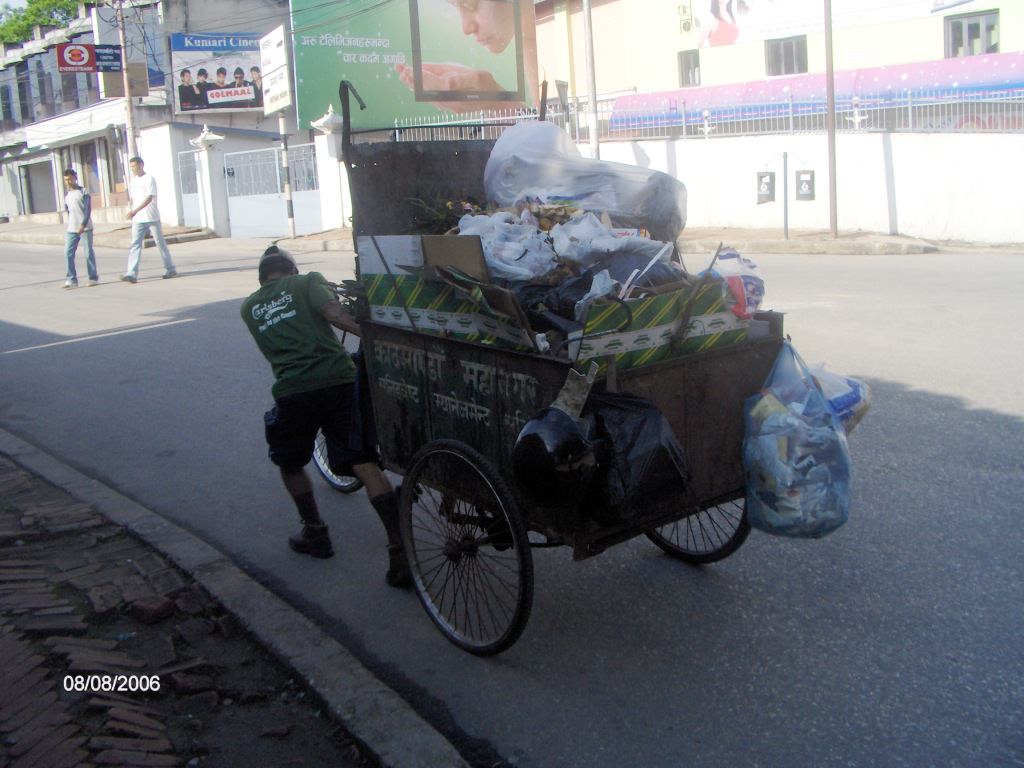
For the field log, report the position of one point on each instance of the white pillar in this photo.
(335, 198)
(213, 191)
(213, 188)
(329, 173)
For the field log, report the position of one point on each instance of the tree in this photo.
(16, 23)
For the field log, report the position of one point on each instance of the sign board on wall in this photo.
(805, 185)
(82, 57)
(414, 58)
(277, 91)
(112, 83)
(217, 72)
(766, 187)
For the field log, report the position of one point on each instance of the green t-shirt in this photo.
(284, 318)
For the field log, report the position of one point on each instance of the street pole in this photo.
(785, 195)
(588, 33)
(281, 127)
(830, 123)
(572, 72)
(129, 121)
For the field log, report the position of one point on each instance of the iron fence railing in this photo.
(258, 171)
(187, 172)
(949, 110)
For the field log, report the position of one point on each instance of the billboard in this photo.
(414, 58)
(217, 72)
(277, 90)
(80, 57)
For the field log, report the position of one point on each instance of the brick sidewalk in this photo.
(82, 601)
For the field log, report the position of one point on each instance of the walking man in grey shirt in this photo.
(145, 216)
(78, 205)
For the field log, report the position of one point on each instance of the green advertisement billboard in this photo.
(414, 58)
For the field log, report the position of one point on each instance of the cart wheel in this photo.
(467, 547)
(343, 483)
(707, 536)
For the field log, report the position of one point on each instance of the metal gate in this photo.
(188, 180)
(256, 204)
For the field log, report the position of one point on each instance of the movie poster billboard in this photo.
(414, 58)
(216, 72)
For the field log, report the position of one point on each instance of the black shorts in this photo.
(345, 418)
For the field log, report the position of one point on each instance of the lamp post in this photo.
(129, 122)
(830, 122)
(588, 33)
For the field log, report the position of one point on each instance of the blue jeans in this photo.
(71, 245)
(139, 230)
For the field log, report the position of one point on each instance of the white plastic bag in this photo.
(602, 285)
(513, 251)
(848, 398)
(538, 161)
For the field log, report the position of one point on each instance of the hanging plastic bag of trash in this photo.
(538, 161)
(795, 455)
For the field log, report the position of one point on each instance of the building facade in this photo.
(52, 121)
(647, 46)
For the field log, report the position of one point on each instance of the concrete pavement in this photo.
(377, 717)
(888, 643)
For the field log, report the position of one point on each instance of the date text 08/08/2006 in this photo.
(112, 683)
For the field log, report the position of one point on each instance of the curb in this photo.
(299, 245)
(374, 714)
(104, 240)
(816, 247)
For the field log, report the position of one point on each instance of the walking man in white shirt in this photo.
(145, 216)
(78, 205)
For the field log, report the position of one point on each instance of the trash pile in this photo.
(573, 237)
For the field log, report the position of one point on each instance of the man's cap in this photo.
(273, 252)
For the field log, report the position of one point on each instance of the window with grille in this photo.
(689, 68)
(786, 56)
(972, 34)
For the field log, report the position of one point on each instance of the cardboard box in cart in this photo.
(403, 291)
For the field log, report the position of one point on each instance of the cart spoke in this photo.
(704, 536)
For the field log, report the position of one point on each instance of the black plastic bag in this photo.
(623, 263)
(641, 461)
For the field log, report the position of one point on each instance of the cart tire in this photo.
(707, 536)
(343, 483)
(467, 546)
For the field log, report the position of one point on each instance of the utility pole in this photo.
(588, 33)
(572, 72)
(286, 174)
(830, 123)
(129, 122)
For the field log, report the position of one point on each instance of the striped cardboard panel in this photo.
(655, 321)
(439, 309)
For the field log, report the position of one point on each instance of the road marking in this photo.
(99, 336)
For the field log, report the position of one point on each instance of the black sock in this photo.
(387, 508)
(308, 511)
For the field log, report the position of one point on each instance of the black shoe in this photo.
(169, 275)
(129, 278)
(398, 574)
(313, 541)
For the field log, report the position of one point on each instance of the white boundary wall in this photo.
(933, 186)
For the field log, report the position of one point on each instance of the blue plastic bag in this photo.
(795, 455)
